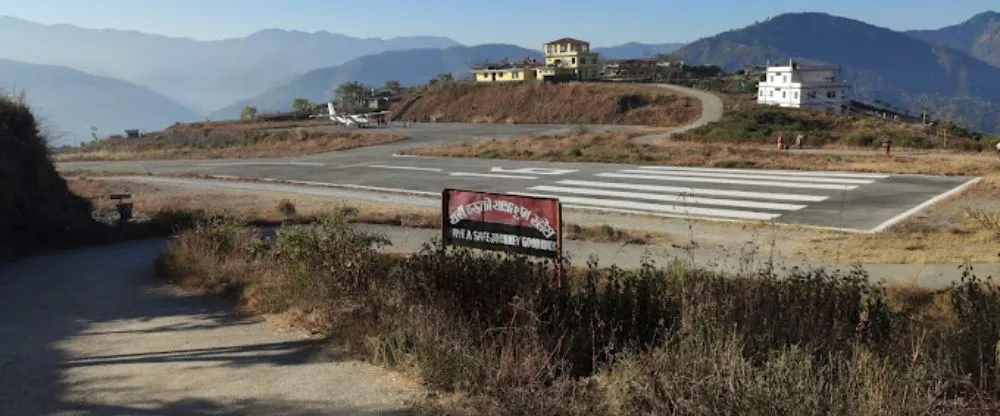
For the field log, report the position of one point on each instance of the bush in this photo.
(518, 336)
(37, 210)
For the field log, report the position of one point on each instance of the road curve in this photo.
(91, 332)
(711, 111)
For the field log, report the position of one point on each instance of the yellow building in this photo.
(573, 54)
(504, 73)
(565, 59)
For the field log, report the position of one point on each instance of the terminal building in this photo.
(796, 85)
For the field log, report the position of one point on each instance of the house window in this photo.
(573, 61)
(796, 95)
(811, 95)
(785, 79)
(831, 94)
(771, 79)
(771, 93)
(784, 94)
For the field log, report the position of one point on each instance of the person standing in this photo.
(998, 149)
(799, 141)
(781, 142)
(886, 145)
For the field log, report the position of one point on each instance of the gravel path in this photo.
(91, 332)
(711, 111)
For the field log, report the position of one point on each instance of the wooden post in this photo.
(559, 257)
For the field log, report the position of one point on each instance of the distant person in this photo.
(781, 142)
(799, 141)
(998, 149)
(886, 145)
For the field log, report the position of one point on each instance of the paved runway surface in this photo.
(856, 201)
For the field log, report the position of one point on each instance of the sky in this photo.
(525, 23)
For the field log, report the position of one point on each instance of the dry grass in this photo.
(670, 340)
(749, 123)
(242, 144)
(961, 229)
(616, 147)
(240, 125)
(570, 103)
(273, 208)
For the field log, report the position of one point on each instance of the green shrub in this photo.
(519, 336)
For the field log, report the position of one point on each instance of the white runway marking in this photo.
(405, 168)
(671, 209)
(261, 163)
(670, 198)
(750, 176)
(774, 184)
(770, 172)
(492, 175)
(697, 191)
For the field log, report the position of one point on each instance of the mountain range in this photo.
(69, 103)
(978, 37)
(203, 75)
(882, 64)
(149, 81)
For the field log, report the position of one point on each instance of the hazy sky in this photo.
(526, 23)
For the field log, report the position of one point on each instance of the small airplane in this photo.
(349, 120)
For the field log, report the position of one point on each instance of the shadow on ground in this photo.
(69, 323)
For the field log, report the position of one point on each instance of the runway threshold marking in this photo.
(697, 191)
(770, 172)
(817, 179)
(671, 209)
(683, 199)
(768, 183)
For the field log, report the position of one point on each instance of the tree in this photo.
(248, 112)
(301, 105)
(393, 85)
(349, 95)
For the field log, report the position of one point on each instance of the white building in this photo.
(796, 85)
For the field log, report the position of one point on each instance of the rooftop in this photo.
(568, 40)
(507, 66)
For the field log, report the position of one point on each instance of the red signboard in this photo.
(514, 223)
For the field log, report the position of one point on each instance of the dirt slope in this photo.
(535, 103)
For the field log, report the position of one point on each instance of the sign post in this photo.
(511, 223)
(124, 207)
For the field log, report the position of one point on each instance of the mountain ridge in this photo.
(978, 36)
(201, 74)
(953, 83)
(67, 99)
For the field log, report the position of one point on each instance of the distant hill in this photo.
(881, 63)
(203, 75)
(69, 102)
(978, 36)
(636, 50)
(410, 67)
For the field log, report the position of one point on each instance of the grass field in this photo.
(745, 122)
(212, 144)
(571, 103)
(616, 147)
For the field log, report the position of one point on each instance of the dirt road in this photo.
(91, 332)
(711, 111)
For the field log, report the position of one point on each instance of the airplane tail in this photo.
(329, 106)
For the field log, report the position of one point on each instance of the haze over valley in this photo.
(82, 80)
